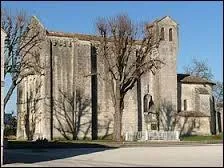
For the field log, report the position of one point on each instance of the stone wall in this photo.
(167, 76)
(31, 90)
(130, 118)
(219, 125)
(196, 100)
(104, 94)
(71, 86)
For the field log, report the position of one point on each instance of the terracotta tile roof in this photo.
(186, 78)
(74, 35)
(85, 37)
(192, 114)
(181, 76)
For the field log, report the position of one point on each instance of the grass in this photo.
(202, 138)
(16, 144)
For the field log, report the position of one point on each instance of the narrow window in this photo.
(193, 123)
(170, 35)
(145, 103)
(94, 89)
(162, 33)
(185, 104)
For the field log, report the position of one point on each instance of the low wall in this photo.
(152, 136)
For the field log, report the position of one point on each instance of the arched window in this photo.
(162, 33)
(170, 35)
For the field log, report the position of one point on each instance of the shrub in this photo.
(9, 131)
(41, 140)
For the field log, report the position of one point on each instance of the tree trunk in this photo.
(8, 95)
(117, 115)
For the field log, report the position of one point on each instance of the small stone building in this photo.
(73, 98)
(196, 108)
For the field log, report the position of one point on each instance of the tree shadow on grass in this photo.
(32, 153)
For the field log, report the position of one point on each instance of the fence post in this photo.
(126, 136)
(146, 135)
(177, 135)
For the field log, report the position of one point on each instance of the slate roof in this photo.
(186, 78)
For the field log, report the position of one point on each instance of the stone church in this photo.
(72, 99)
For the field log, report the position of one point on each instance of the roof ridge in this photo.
(158, 20)
(195, 79)
(198, 77)
(162, 18)
(38, 20)
(85, 37)
(60, 32)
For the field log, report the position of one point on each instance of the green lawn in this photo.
(202, 138)
(15, 144)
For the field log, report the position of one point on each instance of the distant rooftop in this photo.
(186, 78)
(73, 35)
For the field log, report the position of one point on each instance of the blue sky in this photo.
(200, 24)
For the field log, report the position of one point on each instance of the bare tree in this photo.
(218, 91)
(126, 58)
(199, 68)
(218, 95)
(21, 53)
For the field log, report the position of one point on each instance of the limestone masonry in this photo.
(72, 99)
